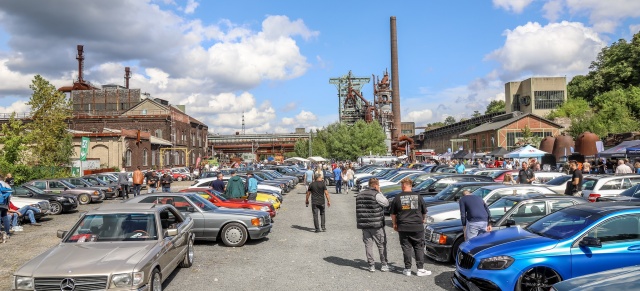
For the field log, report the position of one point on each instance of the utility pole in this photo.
(309, 143)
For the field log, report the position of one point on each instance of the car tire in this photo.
(155, 283)
(537, 278)
(187, 262)
(234, 234)
(179, 179)
(84, 199)
(55, 207)
(456, 246)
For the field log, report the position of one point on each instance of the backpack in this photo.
(5, 194)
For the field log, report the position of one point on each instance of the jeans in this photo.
(474, 229)
(315, 208)
(124, 191)
(151, 190)
(29, 211)
(412, 243)
(136, 189)
(338, 186)
(379, 236)
(350, 183)
(166, 189)
(6, 219)
(252, 196)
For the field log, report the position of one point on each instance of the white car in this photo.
(606, 186)
(43, 205)
(396, 179)
(207, 181)
(559, 184)
(489, 194)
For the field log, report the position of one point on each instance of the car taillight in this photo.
(593, 197)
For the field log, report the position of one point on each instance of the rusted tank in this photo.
(586, 143)
(562, 146)
(546, 145)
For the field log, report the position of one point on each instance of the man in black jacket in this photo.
(370, 218)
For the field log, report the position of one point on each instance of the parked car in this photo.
(499, 176)
(222, 200)
(630, 195)
(435, 184)
(559, 184)
(443, 239)
(490, 194)
(572, 242)
(109, 192)
(56, 186)
(58, 203)
(621, 279)
(132, 247)
(177, 176)
(42, 204)
(607, 185)
(544, 177)
(232, 226)
(454, 192)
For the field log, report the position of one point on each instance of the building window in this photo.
(153, 158)
(548, 99)
(176, 158)
(515, 102)
(159, 133)
(144, 157)
(193, 159)
(166, 158)
(127, 158)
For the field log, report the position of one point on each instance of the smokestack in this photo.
(127, 76)
(80, 59)
(395, 82)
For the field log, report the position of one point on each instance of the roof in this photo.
(502, 123)
(605, 208)
(160, 141)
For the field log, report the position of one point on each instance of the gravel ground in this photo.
(293, 256)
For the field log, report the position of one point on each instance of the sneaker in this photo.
(3, 236)
(423, 272)
(386, 268)
(324, 229)
(406, 272)
(372, 269)
(317, 230)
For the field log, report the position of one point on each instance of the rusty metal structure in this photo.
(80, 83)
(586, 144)
(127, 76)
(382, 102)
(350, 108)
(259, 144)
(395, 81)
(546, 144)
(562, 147)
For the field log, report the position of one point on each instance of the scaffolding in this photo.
(350, 108)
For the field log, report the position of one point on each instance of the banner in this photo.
(84, 149)
(633, 152)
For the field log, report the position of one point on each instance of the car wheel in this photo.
(179, 179)
(55, 208)
(84, 199)
(156, 281)
(456, 246)
(537, 278)
(234, 234)
(188, 257)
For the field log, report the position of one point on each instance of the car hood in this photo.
(235, 212)
(447, 225)
(392, 193)
(250, 202)
(510, 241)
(444, 207)
(87, 259)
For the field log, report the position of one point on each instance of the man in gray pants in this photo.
(370, 218)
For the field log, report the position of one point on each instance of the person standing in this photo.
(370, 218)
(474, 215)
(337, 177)
(138, 179)
(252, 187)
(9, 180)
(235, 186)
(350, 176)
(622, 168)
(166, 182)
(574, 186)
(526, 175)
(460, 168)
(123, 181)
(218, 184)
(152, 182)
(318, 191)
(308, 177)
(408, 212)
(5, 200)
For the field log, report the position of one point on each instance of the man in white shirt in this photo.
(622, 168)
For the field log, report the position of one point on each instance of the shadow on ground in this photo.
(303, 228)
(358, 264)
(443, 280)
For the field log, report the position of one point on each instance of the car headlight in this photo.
(265, 208)
(257, 221)
(35, 205)
(127, 279)
(109, 190)
(496, 263)
(438, 238)
(95, 193)
(71, 200)
(22, 283)
(428, 220)
(62, 199)
(271, 201)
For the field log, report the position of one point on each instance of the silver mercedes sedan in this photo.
(115, 247)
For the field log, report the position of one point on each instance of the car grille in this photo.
(80, 283)
(267, 219)
(44, 205)
(271, 207)
(465, 260)
(428, 231)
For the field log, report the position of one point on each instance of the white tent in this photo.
(318, 159)
(526, 152)
(296, 160)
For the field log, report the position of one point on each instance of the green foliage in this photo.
(616, 111)
(449, 120)
(301, 148)
(476, 113)
(15, 139)
(436, 124)
(495, 106)
(572, 108)
(50, 109)
(25, 173)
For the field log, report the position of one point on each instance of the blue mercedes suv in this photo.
(571, 242)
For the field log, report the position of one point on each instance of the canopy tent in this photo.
(470, 156)
(446, 156)
(318, 159)
(498, 153)
(526, 152)
(625, 149)
(459, 154)
(296, 160)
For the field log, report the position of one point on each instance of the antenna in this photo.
(242, 122)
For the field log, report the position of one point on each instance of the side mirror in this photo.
(432, 190)
(171, 232)
(590, 242)
(61, 233)
(66, 188)
(509, 222)
(191, 209)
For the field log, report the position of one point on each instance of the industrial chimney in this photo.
(80, 58)
(395, 82)
(127, 76)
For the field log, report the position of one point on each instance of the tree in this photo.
(616, 111)
(476, 113)
(572, 108)
(495, 106)
(50, 108)
(436, 124)
(15, 139)
(301, 148)
(449, 120)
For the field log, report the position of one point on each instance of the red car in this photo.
(498, 176)
(221, 200)
(175, 176)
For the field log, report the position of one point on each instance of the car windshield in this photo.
(219, 195)
(481, 192)
(255, 175)
(420, 179)
(71, 186)
(114, 227)
(85, 182)
(112, 178)
(495, 174)
(202, 203)
(632, 192)
(448, 192)
(500, 207)
(399, 177)
(559, 181)
(426, 184)
(563, 224)
(262, 176)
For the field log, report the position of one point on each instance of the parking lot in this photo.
(292, 257)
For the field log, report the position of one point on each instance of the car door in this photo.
(169, 251)
(56, 187)
(528, 212)
(610, 188)
(620, 238)
(493, 197)
(42, 185)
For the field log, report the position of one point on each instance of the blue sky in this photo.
(272, 60)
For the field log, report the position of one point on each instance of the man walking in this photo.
(474, 215)
(252, 187)
(123, 181)
(218, 184)
(370, 218)
(166, 181)
(138, 179)
(526, 175)
(152, 182)
(235, 186)
(308, 177)
(408, 212)
(318, 191)
(337, 177)
(574, 186)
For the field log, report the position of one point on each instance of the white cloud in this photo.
(18, 107)
(605, 16)
(289, 106)
(304, 119)
(553, 9)
(554, 49)
(419, 117)
(634, 28)
(516, 6)
(191, 6)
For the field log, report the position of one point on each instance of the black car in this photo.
(329, 180)
(58, 203)
(630, 195)
(109, 192)
(443, 239)
(454, 192)
(435, 184)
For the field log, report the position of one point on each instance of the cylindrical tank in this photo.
(586, 143)
(562, 146)
(546, 145)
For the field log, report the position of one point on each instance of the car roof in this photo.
(474, 183)
(606, 208)
(538, 196)
(125, 207)
(493, 187)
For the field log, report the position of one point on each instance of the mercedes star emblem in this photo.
(67, 284)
